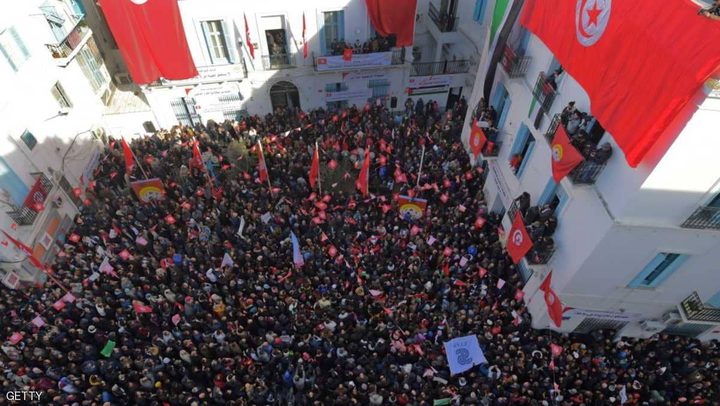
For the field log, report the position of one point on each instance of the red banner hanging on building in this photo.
(641, 62)
(393, 17)
(151, 38)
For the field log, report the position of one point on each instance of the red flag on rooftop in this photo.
(642, 63)
(564, 155)
(364, 176)
(314, 167)
(552, 301)
(129, 160)
(151, 39)
(519, 242)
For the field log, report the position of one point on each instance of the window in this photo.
(521, 150)
(216, 41)
(91, 64)
(380, 87)
(60, 96)
(658, 270)
(554, 195)
(714, 301)
(333, 30)
(14, 188)
(479, 11)
(13, 48)
(524, 39)
(29, 139)
(336, 87)
(55, 20)
(501, 103)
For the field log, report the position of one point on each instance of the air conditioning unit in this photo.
(122, 79)
(672, 318)
(652, 326)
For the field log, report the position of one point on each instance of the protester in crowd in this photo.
(198, 298)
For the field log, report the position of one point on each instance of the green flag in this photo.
(442, 402)
(107, 350)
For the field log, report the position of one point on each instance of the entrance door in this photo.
(285, 95)
(453, 97)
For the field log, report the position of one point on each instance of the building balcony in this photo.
(440, 68)
(539, 257)
(333, 63)
(543, 92)
(587, 172)
(514, 207)
(278, 61)
(443, 21)
(515, 66)
(491, 149)
(26, 215)
(73, 41)
(704, 218)
(694, 310)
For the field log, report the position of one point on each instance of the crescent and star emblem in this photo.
(591, 19)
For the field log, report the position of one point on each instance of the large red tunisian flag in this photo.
(564, 155)
(552, 301)
(519, 242)
(315, 167)
(394, 17)
(127, 153)
(477, 139)
(151, 38)
(641, 62)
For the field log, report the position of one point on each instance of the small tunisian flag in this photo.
(298, 259)
(519, 242)
(564, 156)
(262, 168)
(477, 139)
(314, 167)
(151, 38)
(305, 44)
(364, 176)
(641, 62)
(129, 160)
(197, 157)
(347, 54)
(552, 301)
(249, 44)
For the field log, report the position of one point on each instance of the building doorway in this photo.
(453, 97)
(284, 95)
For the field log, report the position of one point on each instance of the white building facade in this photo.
(55, 88)
(232, 83)
(636, 249)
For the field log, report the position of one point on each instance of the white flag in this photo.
(227, 261)
(623, 395)
(242, 227)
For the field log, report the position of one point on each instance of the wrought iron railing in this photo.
(279, 61)
(535, 257)
(443, 21)
(491, 149)
(397, 57)
(440, 68)
(515, 66)
(25, 216)
(704, 218)
(64, 48)
(587, 172)
(550, 133)
(544, 92)
(514, 208)
(695, 310)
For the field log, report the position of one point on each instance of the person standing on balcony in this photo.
(713, 12)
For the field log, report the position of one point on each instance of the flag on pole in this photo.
(305, 44)
(477, 139)
(564, 155)
(363, 177)
(519, 242)
(314, 167)
(151, 39)
(262, 167)
(638, 87)
(552, 301)
(197, 156)
(127, 153)
(25, 250)
(249, 44)
(297, 255)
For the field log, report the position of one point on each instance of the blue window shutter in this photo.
(519, 143)
(639, 280)
(479, 12)
(504, 114)
(229, 43)
(208, 45)
(10, 182)
(669, 270)
(341, 25)
(526, 158)
(548, 192)
(562, 196)
(321, 34)
(20, 43)
(524, 42)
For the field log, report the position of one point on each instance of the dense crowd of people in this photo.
(376, 44)
(195, 299)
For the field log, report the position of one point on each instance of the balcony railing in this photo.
(704, 218)
(274, 62)
(550, 133)
(695, 310)
(443, 21)
(491, 149)
(544, 93)
(535, 257)
(440, 68)
(64, 48)
(395, 56)
(25, 216)
(514, 207)
(515, 66)
(587, 172)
